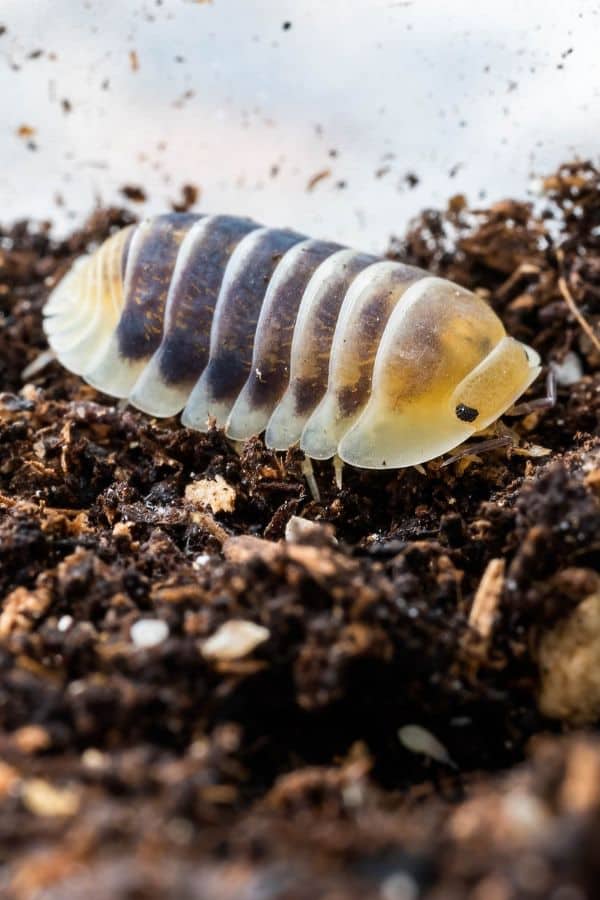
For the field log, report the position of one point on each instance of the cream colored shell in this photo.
(264, 330)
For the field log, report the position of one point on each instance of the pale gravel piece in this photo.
(201, 560)
(149, 632)
(234, 640)
(569, 371)
(418, 740)
(64, 623)
(46, 800)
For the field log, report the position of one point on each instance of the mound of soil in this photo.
(213, 685)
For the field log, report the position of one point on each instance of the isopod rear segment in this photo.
(261, 329)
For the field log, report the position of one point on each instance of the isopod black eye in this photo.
(466, 413)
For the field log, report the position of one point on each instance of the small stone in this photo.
(304, 531)
(31, 739)
(569, 371)
(234, 640)
(93, 758)
(43, 799)
(149, 632)
(399, 886)
(201, 560)
(64, 623)
(418, 740)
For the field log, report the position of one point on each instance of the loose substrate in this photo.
(212, 685)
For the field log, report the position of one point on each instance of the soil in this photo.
(141, 757)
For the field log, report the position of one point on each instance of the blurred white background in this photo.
(251, 99)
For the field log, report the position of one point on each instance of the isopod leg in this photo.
(338, 468)
(504, 440)
(309, 474)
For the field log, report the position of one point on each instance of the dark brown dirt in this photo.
(164, 772)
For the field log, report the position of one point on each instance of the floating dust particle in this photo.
(134, 192)
(317, 178)
(411, 180)
(190, 194)
(26, 132)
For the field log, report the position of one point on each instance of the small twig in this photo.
(569, 300)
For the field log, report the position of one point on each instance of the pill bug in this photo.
(265, 330)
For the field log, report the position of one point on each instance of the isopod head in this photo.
(445, 369)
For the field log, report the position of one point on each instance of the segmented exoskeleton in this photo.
(261, 329)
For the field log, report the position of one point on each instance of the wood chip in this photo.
(21, 608)
(215, 494)
(316, 178)
(487, 598)
(569, 661)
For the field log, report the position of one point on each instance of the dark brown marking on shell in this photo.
(308, 391)
(140, 328)
(269, 377)
(185, 346)
(231, 359)
(373, 319)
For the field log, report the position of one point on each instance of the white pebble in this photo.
(569, 371)
(399, 886)
(201, 560)
(234, 640)
(419, 740)
(149, 632)
(64, 623)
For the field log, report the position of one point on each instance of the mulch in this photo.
(458, 599)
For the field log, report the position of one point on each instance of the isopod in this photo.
(264, 330)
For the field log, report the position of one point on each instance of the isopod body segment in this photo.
(265, 330)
